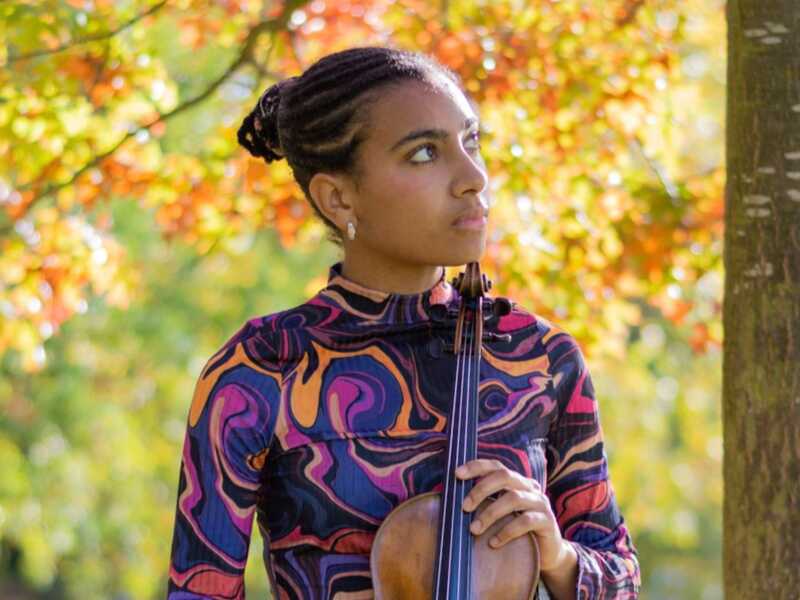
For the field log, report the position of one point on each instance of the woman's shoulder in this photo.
(263, 336)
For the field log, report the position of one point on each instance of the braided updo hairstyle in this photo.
(316, 120)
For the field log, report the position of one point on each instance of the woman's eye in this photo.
(421, 148)
(476, 136)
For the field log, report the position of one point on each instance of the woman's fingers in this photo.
(521, 494)
(488, 485)
(530, 520)
(478, 467)
(494, 477)
(506, 504)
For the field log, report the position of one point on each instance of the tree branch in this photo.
(630, 13)
(444, 12)
(245, 56)
(98, 72)
(669, 186)
(89, 38)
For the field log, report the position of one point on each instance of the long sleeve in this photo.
(578, 486)
(228, 433)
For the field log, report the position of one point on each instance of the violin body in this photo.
(404, 550)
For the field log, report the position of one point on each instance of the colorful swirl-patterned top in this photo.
(322, 418)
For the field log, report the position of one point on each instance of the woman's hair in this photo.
(316, 120)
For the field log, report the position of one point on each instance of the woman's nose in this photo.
(472, 175)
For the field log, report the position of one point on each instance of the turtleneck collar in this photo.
(381, 307)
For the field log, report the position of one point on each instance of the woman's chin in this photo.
(462, 256)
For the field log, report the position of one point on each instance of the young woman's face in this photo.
(421, 169)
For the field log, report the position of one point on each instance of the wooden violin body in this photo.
(404, 551)
(424, 549)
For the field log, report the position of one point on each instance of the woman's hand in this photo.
(522, 494)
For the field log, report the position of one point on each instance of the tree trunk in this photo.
(761, 309)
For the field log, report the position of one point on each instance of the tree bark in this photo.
(761, 308)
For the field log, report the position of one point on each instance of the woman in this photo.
(322, 418)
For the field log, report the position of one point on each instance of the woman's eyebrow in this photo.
(438, 134)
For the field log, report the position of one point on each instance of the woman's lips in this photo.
(471, 223)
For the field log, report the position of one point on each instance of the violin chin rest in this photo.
(404, 552)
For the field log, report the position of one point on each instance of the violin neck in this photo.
(453, 570)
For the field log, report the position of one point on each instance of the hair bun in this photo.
(259, 130)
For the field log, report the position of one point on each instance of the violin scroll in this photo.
(471, 283)
(472, 286)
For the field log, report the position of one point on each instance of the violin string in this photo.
(464, 517)
(472, 421)
(447, 486)
(459, 485)
(461, 404)
(472, 430)
(462, 455)
(454, 448)
(464, 541)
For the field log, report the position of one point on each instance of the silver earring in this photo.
(351, 230)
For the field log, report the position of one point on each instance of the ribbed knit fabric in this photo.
(320, 419)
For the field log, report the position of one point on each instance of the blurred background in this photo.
(136, 236)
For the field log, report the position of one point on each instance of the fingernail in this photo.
(495, 541)
(476, 526)
(467, 504)
(460, 471)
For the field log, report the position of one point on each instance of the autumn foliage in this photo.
(606, 179)
(574, 102)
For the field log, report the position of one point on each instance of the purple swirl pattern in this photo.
(319, 420)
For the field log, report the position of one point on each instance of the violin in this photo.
(424, 548)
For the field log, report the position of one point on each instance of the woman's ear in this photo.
(328, 192)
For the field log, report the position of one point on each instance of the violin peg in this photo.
(501, 306)
(438, 313)
(496, 337)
